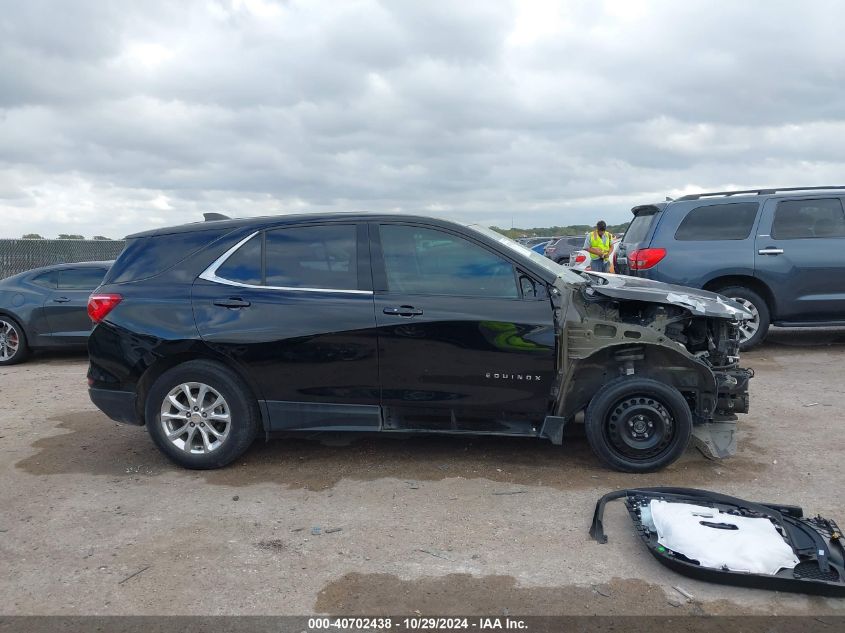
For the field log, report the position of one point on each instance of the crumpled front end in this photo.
(716, 342)
(685, 340)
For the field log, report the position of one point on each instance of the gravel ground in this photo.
(94, 521)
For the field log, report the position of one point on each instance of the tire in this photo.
(625, 402)
(13, 345)
(759, 327)
(214, 432)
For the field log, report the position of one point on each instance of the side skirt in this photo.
(321, 416)
(284, 416)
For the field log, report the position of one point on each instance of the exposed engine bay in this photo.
(622, 326)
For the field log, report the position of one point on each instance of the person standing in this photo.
(598, 244)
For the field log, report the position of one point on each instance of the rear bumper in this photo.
(118, 405)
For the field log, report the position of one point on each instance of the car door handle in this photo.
(232, 302)
(404, 311)
(61, 300)
(770, 251)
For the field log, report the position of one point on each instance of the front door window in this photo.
(424, 261)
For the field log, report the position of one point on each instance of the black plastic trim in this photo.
(118, 405)
(322, 416)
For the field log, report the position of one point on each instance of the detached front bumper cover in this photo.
(817, 542)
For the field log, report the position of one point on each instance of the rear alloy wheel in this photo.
(638, 424)
(201, 415)
(195, 418)
(13, 347)
(753, 331)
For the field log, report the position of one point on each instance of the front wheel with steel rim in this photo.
(638, 424)
(13, 348)
(201, 415)
(754, 330)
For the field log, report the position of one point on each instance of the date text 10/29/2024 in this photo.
(420, 623)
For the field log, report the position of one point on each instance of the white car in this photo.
(580, 260)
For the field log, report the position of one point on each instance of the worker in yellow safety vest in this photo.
(598, 244)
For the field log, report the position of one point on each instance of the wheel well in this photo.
(154, 371)
(752, 283)
(21, 324)
(9, 315)
(587, 376)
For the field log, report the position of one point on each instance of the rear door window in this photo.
(802, 219)
(312, 257)
(81, 278)
(717, 222)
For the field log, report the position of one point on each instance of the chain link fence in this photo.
(19, 255)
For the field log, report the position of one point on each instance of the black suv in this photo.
(214, 332)
(779, 252)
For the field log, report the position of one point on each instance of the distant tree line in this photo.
(62, 236)
(553, 231)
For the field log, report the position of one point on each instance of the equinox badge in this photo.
(502, 376)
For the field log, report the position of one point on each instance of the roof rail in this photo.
(756, 192)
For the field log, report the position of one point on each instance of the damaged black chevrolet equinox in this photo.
(215, 332)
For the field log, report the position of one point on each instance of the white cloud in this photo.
(116, 118)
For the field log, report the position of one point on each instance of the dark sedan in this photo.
(47, 308)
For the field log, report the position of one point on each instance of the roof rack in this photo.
(756, 192)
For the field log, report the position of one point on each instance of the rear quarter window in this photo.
(80, 278)
(146, 257)
(715, 222)
(244, 265)
(48, 279)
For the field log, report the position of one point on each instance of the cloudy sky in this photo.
(121, 116)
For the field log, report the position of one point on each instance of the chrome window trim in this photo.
(210, 274)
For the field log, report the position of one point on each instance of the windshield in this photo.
(560, 271)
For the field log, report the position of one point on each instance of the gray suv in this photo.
(779, 252)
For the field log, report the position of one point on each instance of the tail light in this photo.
(580, 257)
(99, 305)
(645, 258)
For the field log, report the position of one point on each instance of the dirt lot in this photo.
(94, 521)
